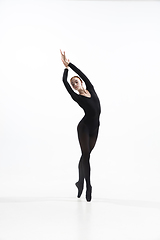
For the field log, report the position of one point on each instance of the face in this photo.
(76, 83)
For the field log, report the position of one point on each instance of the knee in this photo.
(85, 155)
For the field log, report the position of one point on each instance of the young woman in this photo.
(89, 125)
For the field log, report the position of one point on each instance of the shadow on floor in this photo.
(122, 202)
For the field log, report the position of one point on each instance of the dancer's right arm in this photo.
(68, 87)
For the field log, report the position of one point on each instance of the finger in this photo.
(60, 50)
(61, 54)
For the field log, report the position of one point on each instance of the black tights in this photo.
(87, 142)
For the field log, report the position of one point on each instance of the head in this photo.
(76, 83)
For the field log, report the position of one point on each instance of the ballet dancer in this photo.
(88, 127)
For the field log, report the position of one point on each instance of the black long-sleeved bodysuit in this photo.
(87, 128)
(91, 106)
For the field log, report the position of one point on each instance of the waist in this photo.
(91, 120)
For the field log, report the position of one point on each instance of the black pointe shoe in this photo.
(89, 194)
(80, 188)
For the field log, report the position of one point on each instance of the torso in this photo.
(91, 106)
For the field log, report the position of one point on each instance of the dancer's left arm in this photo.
(82, 75)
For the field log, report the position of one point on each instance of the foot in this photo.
(89, 194)
(79, 185)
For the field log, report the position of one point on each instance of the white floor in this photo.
(76, 219)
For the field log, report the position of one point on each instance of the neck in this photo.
(81, 91)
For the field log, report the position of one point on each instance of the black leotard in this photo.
(90, 105)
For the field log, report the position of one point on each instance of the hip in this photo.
(90, 123)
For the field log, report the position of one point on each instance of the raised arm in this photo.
(68, 87)
(81, 74)
(67, 64)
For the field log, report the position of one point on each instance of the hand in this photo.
(64, 59)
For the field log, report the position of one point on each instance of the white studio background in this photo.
(116, 44)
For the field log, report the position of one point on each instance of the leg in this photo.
(92, 142)
(84, 165)
(80, 182)
(81, 174)
(93, 139)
